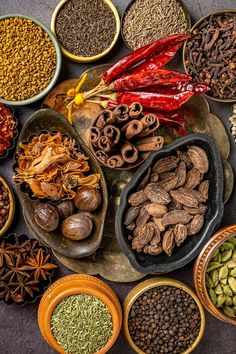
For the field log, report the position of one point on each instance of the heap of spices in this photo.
(164, 319)
(28, 59)
(25, 269)
(91, 30)
(168, 205)
(147, 20)
(221, 278)
(4, 205)
(7, 129)
(210, 55)
(81, 324)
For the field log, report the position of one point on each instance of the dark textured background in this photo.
(19, 333)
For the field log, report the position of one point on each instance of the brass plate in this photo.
(109, 261)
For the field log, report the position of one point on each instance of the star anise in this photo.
(22, 287)
(6, 253)
(15, 269)
(40, 265)
(5, 292)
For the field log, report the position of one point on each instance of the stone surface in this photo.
(19, 331)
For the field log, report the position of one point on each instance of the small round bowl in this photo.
(80, 59)
(150, 284)
(197, 24)
(57, 68)
(199, 271)
(16, 133)
(12, 207)
(187, 15)
(72, 285)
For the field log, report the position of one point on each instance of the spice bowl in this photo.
(74, 285)
(93, 58)
(153, 283)
(200, 268)
(11, 214)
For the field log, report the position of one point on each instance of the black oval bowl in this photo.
(14, 139)
(193, 245)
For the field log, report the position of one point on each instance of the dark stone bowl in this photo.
(193, 245)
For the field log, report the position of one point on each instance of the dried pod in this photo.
(199, 158)
(131, 226)
(181, 173)
(193, 178)
(131, 214)
(166, 177)
(137, 198)
(181, 233)
(154, 177)
(153, 250)
(204, 189)
(88, 199)
(145, 180)
(158, 222)
(195, 225)
(157, 234)
(46, 216)
(171, 184)
(168, 242)
(185, 196)
(176, 217)
(143, 216)
(174, 205)
(165, 164)
(157, 194)
(66, 208)
(183, 156)
(145, 234)
(201, 209)
(136, 245)
(157, 210)
(77, 227)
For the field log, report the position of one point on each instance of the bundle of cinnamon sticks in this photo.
(121, 135)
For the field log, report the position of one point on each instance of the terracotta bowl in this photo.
(199, 271)
(72, 285)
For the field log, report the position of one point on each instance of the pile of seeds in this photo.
(210, 55)
(221, 278)
(168, 205)
(28, 59)
(147, 20)
(81, 324)
(91, 29)
(164, 319)
(4, 205)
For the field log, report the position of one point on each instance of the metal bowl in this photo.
(197, 24)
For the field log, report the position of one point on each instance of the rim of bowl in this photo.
(12, 207)
(142, 287)
(202, 19)
(41, 94)
(107, 298)
(77, 58)
(211, 250)
(182, 4)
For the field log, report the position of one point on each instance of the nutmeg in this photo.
(88, 199)
(66, 208)
(46, 216)
(77, 227)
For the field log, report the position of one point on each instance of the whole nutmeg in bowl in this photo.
(88, 199)
(66, 208)
(77, 227)
(46, 216)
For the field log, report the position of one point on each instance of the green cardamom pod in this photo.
(224, 281)
(215, 254)
(232, 283)
(227, 290)
(220, 300)
(212, 296)
(219, 258)
(228, 301)
(209, 282)
(214, 276)
(234, 255)
(219, 290)
(228, 311)
(233, 272)
(233, 241)
(234, 309)
(234, 300)
(231, 264)
(228, 246)
(223, 272)
(226, 255)
(212, 266)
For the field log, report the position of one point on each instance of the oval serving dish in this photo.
(72, 285)
(12, 207)
(57, 68)
(16, 132)
(200, 267)
(141, 288)
(80, 59)
(192, 246)
(51, 121)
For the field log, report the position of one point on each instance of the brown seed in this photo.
(137, 198)
(153, 250)
(193, 178)
(181, 173)
(143, 216)
(171, 184)
(165, 164)
(199, 158)
(181, 233)
(195, 225)
(157, 210)
(157, 234)
(176, 217)
(158, 222)
(174, 205)
(157, 194)
(166, 177)
(183, 156)
(145, 234)
(168, 242)
(185, 196)
(131, 214)
(136, 244)
(154, 177)
(204, 189)
(195, 211)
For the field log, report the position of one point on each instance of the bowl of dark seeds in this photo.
(87, 30)
(163, 315)
(210, 55)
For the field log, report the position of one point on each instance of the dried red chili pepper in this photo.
(171, 119)
(128, 61)
(180, 87)
(7, 126)
(149, 78)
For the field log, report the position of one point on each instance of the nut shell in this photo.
(46, 216)
(77, 227)
(88, 199)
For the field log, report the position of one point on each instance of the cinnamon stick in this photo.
(121, 113)
(105, 143)
(95, 135)
(154, 143)
(134, 127)
(149, 119)
(112, 132)
(115, 161)
(101, 156)
(152, 123)
(106, 117)
(135, 109)
(129, 152)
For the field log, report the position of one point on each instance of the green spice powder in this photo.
(81, 324)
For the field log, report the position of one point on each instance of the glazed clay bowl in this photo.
(199, 271)
(146, 285)
(48, 88)
(10, 218)
(192, 246)
(197, 24)
(72, 285)
(51, 121)
(80, 59)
